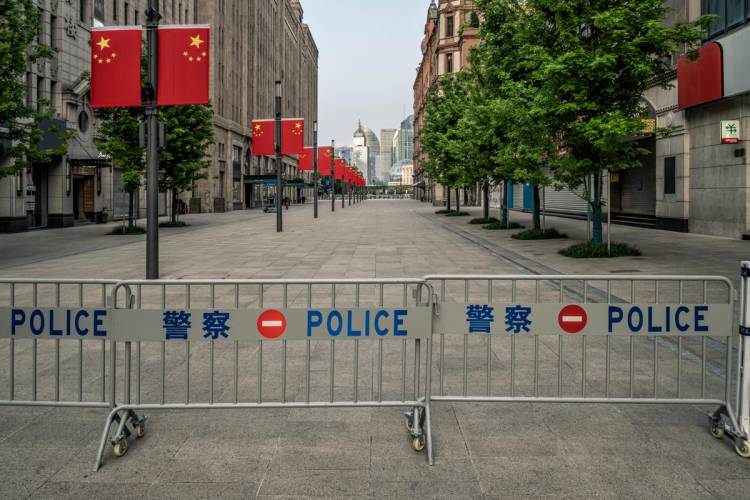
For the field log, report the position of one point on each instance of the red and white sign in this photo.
(573, 319)
(271, 324)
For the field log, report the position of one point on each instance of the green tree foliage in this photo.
(20, 133)
(118, 137)
(183, 160)
(599, 57)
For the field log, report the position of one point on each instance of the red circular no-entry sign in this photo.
(271, 324)
(573, 319)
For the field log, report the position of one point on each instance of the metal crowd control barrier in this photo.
(249, 330)
(51, 338)
(593, 339)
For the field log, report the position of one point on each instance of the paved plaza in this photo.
(482, 450)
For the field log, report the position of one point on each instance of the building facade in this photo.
(689, 181)
(83, 186)
(451, 30)
(262, 41)
(386, 152)
(250, 49)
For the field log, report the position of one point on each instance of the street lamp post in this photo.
(333, 177)
(315, 167)
(152, 145)
(279, 180)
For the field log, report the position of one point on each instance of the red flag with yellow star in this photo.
(292, 136)
(325, 159)
(339, 169)
(116, 67)
(183, 65)
(306, 159)
(263, 138)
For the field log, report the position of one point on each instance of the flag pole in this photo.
(315, 167)
(333, 177)
(152, 145)
(279, 180)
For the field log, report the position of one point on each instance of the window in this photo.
(135, 17)
(127, 13)
(114, 10)
(39, 93)
(179, 13)
(53, 32)
(52, 94)
(449, 26)
(82, 10)
(730, 13)
(670, 175)
(449, 63)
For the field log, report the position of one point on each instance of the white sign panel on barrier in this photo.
(585, 319)
(270, 324)
(55, 323)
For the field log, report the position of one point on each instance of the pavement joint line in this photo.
(712, 343)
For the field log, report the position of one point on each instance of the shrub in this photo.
(597, 251)
(126, 230)
(453, 213)
(178, 223)
(442, 212)
(538, 234)
(491, 220)
(498, 226)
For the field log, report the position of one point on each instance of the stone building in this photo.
(82, 186)
(249, 53)
(451, 30)
(261, 42)
(689, 180)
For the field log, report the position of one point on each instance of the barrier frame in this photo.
(418, 416)
(56, 402)
(729, 420)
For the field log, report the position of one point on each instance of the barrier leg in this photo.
(428, 434)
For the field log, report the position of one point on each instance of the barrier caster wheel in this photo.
(743, 449)
(139, 430)
(418, 443)
(120, 448)
(717, 431)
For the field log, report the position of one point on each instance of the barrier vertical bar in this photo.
(12, 348)
(744, 382)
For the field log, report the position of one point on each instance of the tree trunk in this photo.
(174, 206)
(536, 207)
(458, 200)
(486, 192)
(596, 210)
(131, 207)
(448, 190)
(504, 204)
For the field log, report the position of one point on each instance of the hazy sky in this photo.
(369, 51)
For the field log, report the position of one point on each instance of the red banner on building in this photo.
(263, 138)
(183, 65)
(292, 136)
(338, 169)
(116, 67)
(307, 160)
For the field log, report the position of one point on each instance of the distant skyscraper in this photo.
(403, 141)
(366, 149)
(386, 152)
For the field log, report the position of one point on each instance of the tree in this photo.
(183, 160)
(440, 136)
(20, 132)
(599, 56)
(118, 137)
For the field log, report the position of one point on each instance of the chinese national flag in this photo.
(116, 67)
(338, 169)
(325, 155)
(348, 175)
(292, 136)
(306, 160)
(183, 65)
(263, 138)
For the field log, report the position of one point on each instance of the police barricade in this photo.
(592, 339)
(230, 344)
(53, 338)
